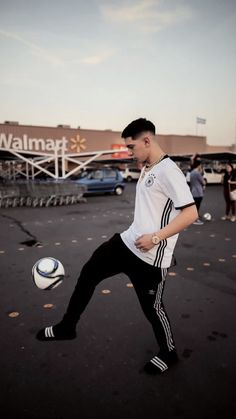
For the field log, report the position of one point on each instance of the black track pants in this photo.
(111, 258)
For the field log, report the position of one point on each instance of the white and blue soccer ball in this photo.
(207, 216)
(48, 273)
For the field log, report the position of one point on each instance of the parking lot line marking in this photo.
(106, 291)
(13, 314)
(48, 305)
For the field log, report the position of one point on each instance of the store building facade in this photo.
(76, 143)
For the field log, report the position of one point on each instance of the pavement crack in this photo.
(21, 227)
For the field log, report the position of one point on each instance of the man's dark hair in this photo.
(138, 126)
(196, 164)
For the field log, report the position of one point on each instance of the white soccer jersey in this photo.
(160, 195)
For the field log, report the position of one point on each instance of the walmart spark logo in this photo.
(77, 144)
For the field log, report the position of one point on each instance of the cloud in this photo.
(55, 60)
(98, 58)
(34, 49)
(146, 15)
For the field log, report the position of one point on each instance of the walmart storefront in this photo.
(62, 151)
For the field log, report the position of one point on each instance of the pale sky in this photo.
(100, 64)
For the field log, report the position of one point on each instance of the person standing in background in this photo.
(229, 183)
(197, 187)
(195, 159)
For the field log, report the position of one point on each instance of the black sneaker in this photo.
(57, 332)
(161, 362)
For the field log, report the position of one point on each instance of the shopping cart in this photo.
(40, 193)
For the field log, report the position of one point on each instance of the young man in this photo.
(164, 206)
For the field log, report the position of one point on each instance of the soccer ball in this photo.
(207, 216)
(48, 273)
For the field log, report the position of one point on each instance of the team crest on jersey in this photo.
(150, 180)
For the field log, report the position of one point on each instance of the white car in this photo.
(130, 174)
(210, 176)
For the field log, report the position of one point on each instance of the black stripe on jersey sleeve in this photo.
(185, 206)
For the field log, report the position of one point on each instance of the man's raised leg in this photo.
(106, 261)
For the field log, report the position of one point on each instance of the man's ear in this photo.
(147, 141)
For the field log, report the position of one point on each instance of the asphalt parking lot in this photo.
(99, 375)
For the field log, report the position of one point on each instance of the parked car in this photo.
(130, 174)
(212, 176)
(102, 181)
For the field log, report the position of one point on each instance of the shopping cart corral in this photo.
(40, 193)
